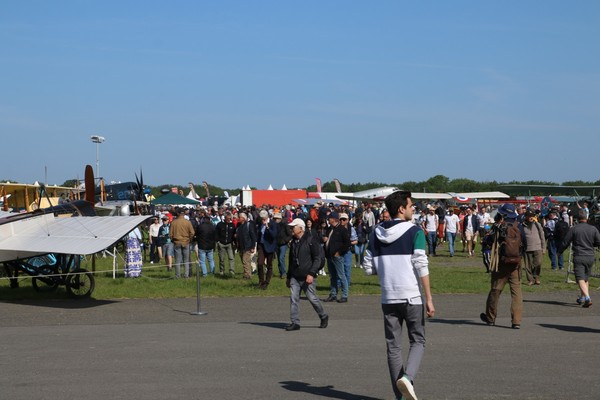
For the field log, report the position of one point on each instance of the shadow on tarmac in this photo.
(66, 304)
(275, 325)
(570, 328)
(553, 303)
(454, 321)
(323, 391)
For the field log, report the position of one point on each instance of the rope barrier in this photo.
(145, 267)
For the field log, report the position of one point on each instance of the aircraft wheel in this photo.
(41, 284)
(80, 283)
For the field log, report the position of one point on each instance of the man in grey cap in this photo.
(305, 261)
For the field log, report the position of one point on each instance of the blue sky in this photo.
(278, 92)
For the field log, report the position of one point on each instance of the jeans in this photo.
(281, 250)
(204, 254)
(359, 252)
(347, 267)
(450, 238)
(182, 254)
(431, 241)
(335, 266)
(154, 250)
(296, 287)
(553, 256)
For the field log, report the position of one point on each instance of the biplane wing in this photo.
(47, 233)
(563, 189)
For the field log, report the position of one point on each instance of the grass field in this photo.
(459, 274)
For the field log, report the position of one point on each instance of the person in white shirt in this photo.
(470, 230)
(155, 253)
(452, 225)
(430, 226)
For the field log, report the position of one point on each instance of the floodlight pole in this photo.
(97, 139)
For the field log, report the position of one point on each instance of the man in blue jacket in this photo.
(266, 238)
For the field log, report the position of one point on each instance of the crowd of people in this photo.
(261, 237)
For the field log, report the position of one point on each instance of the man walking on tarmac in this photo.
(396, 253)
(305, 260)
(584, 238)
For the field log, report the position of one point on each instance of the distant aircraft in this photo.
(379, 194)
(578, 195)
(27, 197)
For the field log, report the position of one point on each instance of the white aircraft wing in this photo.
(75, 235)
(481, 195)
(430, 196)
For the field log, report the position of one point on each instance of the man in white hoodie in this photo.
(396, 253)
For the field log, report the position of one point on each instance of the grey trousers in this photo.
(296, 287)
(182, 254)
(226, 250)
(394, 315)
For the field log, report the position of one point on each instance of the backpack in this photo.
(511, 254)
(560, 230)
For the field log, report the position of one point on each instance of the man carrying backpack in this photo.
(507, 250)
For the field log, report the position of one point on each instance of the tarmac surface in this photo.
(157, 349)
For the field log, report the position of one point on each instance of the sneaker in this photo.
(405, 387)
(587, 302)
(330, 299)
(516, 326)
(324, 322)
(343, 300)
(292, 327)
(580, 300)
(485, 319)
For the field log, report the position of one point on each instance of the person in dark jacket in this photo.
(304, 264)
(226, 243)
(337, 243)
(246, 242)
(206, 235)
(266, 244)
(585, 238)
(470, 229)
(284, 235)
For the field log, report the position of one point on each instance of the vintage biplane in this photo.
(20, 197)
(47, 243)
